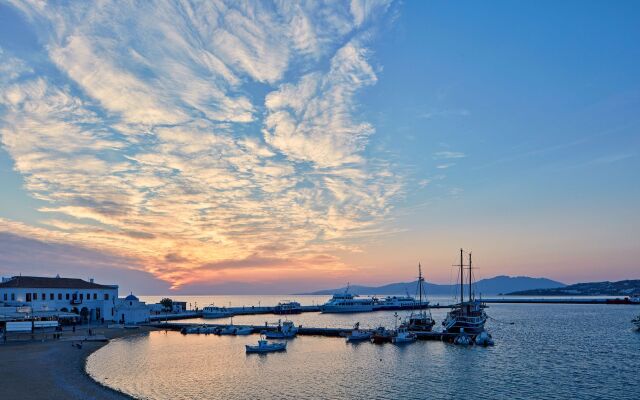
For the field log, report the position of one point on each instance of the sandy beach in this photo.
(54, 369)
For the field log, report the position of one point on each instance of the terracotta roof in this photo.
(51, 283)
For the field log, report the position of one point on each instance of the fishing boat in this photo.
(212, 311)
(358, 334)
(421, 320)
(382, 335)
(348, 303)
(466, 316)
(403, 335)
(284, 330)
(265, 347)
(287, 307)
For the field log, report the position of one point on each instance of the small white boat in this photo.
(284, 330)
(358, 334)
(403, 336)
(266, 347)
(636, 322)
(244, 330)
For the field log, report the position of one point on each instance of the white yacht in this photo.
(397, 303)
(215, 312)
(348, 303)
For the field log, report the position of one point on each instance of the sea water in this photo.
(542, 351)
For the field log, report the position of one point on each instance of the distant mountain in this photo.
(620, 288)
(491, 286)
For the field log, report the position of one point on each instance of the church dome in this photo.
(131, 297)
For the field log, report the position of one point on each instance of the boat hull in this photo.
(261, 349)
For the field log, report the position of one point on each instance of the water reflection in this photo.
(554, 351)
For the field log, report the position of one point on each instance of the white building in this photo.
(87, 299)
(130, 310)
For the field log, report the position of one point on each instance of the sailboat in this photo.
(420, 321)
(467, 316)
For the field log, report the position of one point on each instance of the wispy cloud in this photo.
(151, 141)
(440, 155)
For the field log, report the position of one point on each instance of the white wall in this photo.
(98, 307)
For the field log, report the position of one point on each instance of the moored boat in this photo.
(284, 330)
(358, 334)
(287, 307)
(396, 303)
(403, 335)
(265, 347)
(382, 335)
(466, 316)
(212, 311)
(348, 303)
(421, 320)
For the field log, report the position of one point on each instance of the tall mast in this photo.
(420, 279)
(461, 277)
(469, 276)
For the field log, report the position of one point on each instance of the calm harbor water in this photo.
(549, 352)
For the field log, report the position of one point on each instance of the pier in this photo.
(302, 330)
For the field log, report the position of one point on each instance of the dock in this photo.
(302, 330)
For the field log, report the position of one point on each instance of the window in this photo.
(66, 296)
(35, 296)
(81, 296)
(44, 296)
(28, 296)
(51, 296)
(95, 296)
(5, 297)
(13, 296)
(106, 296)
(59, 296)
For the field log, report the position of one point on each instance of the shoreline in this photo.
(54, 369)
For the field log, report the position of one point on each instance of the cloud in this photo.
(312, 120)
(440, 155)
(202, 141)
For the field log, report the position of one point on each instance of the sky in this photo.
(277, 147)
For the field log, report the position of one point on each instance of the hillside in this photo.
(491, 286)
(620, 288)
